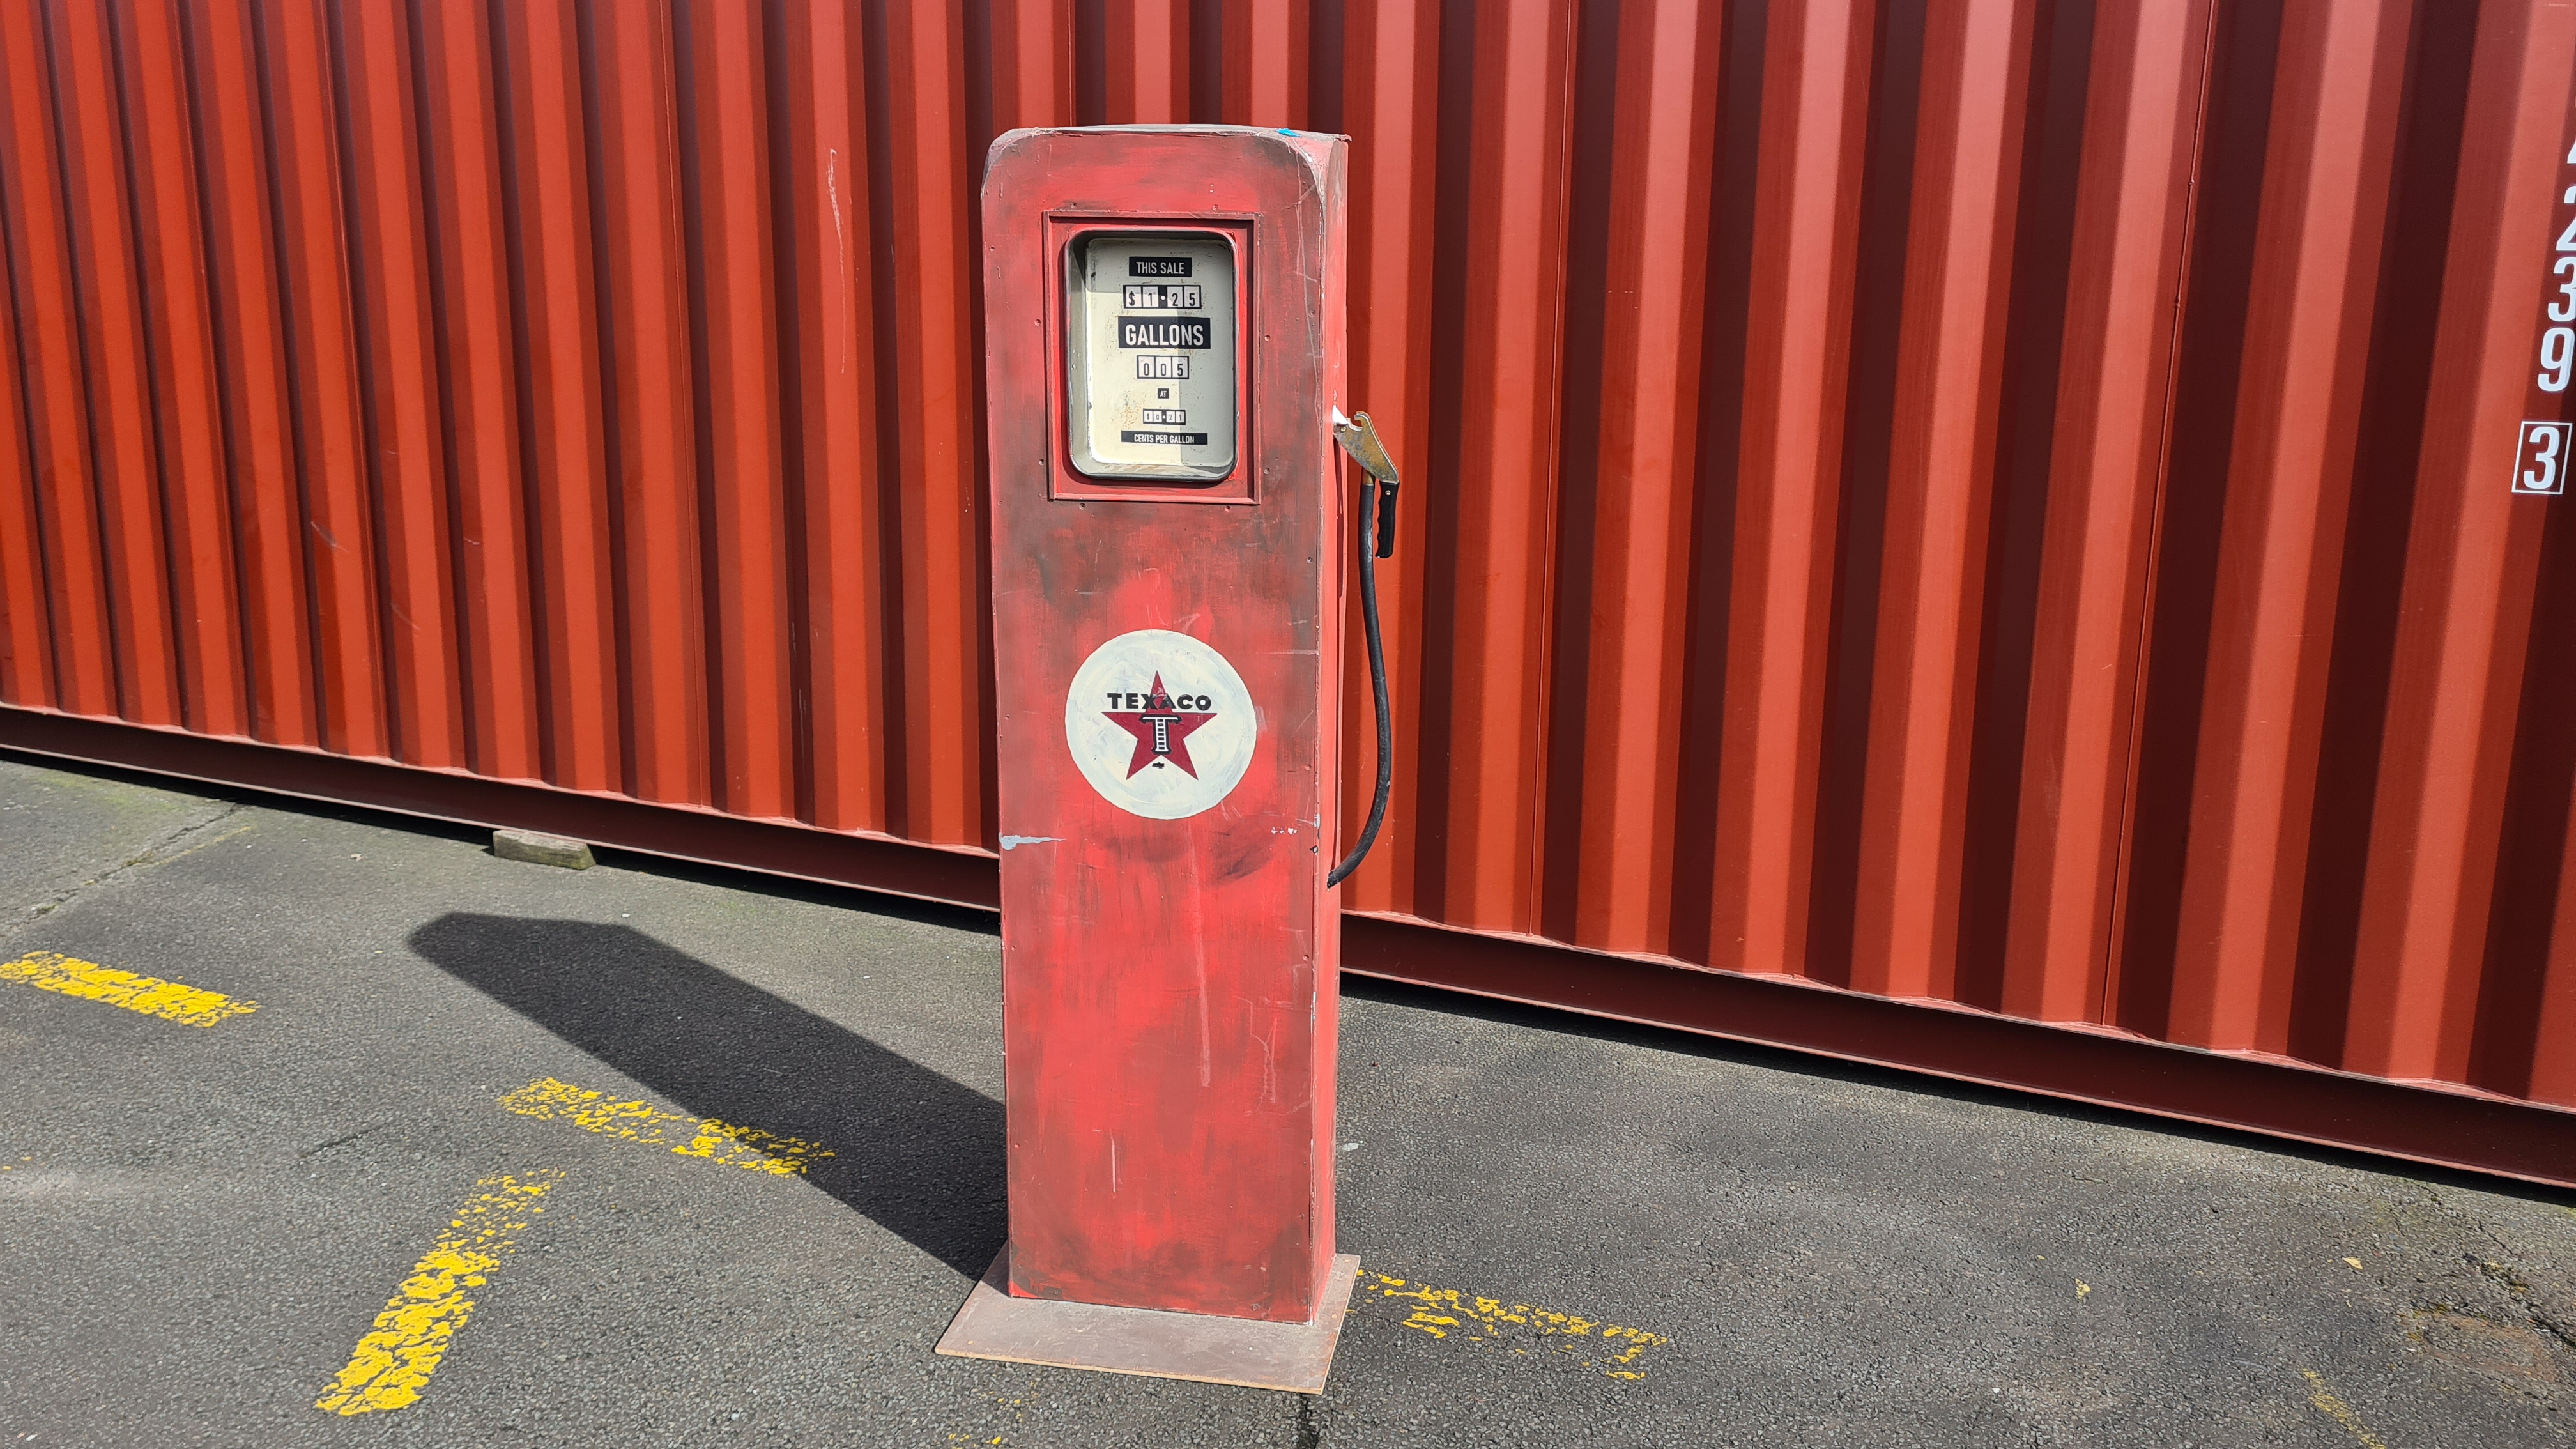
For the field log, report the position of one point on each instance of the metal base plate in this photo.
(1199, 1346)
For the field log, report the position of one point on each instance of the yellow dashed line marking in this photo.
(393, 1362)
(169, 1000)
(1441, 1312)
(2337, 1410)
(726, 1144)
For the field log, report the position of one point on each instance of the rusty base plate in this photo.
(1200, 1346)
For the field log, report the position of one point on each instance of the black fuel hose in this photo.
(1377, 680)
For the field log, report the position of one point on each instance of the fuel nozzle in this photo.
(1358, 437)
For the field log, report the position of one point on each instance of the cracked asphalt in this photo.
(199, 1225)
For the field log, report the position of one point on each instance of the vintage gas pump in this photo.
(1170, 532)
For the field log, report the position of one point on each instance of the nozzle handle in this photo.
(1358, 437)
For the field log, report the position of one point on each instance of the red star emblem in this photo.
(1161, 730)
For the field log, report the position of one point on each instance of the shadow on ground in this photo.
(916, 1152)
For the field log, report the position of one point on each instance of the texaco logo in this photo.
(1160, 724)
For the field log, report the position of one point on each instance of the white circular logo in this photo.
(1160, 724)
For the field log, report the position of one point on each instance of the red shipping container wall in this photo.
(2005, 505)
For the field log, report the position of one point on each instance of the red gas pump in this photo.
(1165, 337)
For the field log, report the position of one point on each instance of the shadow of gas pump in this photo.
(916, 1152)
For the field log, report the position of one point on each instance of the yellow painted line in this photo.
(726, 1144)
(2337, 1410)
(88, 980)
(393, 1362)
(1441, 1312)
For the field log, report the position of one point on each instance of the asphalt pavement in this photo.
(791, 1172)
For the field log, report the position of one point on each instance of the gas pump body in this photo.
(1165, 333)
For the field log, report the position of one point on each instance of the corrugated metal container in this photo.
(2008, 505)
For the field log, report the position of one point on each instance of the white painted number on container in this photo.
(2558, 340)
(2540, 464)
(2541, 447)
